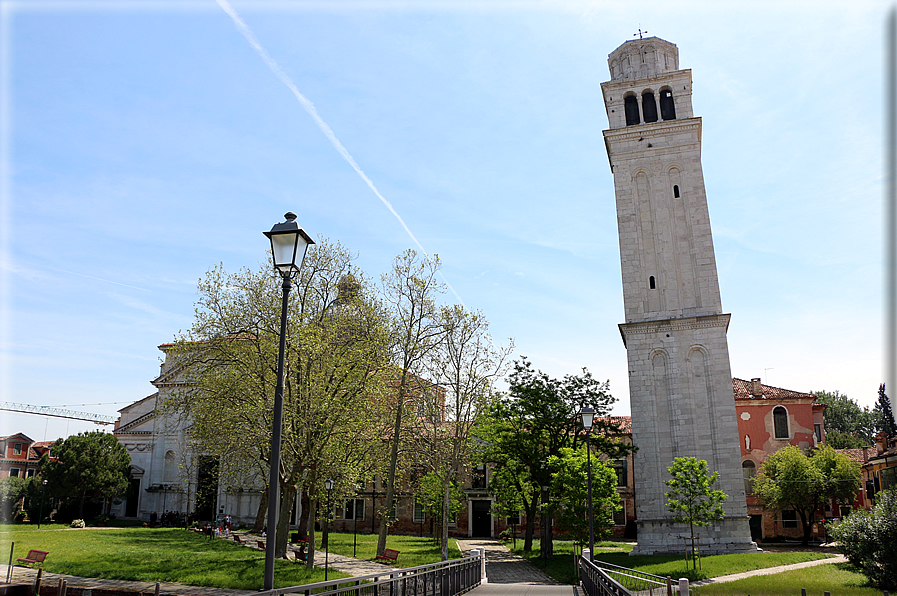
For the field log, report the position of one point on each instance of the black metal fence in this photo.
(604, 579)
(448, 578)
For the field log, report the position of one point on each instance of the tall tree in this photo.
(86, 465)
(791, 479)
(464, 366)
(692, 499)
(336, 356)
(409, 290)
(884, 416)
(844, 415)
(536, 419)
(569, 485)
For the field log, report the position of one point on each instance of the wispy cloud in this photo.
(310, 108)
(16, 268)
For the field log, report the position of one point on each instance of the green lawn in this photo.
(152, 555)
(839, 579)
(562, 566)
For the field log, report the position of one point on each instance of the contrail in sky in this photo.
(310, 108)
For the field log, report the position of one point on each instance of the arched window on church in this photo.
(171, 467)
(780, 422)
(749, 470)
(667, 107)
(649, 106)
(630, 105)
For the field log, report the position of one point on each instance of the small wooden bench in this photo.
(34, 556)
(388, 555)
(261, 544)
(237, 540)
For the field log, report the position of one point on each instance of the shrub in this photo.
(867, 539)
(78, 523)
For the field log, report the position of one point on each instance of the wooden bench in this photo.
(261, 544)
(388, 555)
(237, 540)
(34, 556)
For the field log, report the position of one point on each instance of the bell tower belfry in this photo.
(680, 381)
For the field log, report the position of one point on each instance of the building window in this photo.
(14, 473)
(17, 449)
(478, 479)
(620, 516)
(630, 106)
(649, 107)
(352, 507)
(652, 284)
(748, 470)
(845, 510)
(418, 516)
(667, 106)
(620, 467)
(817, 428)
(676, 191)
(780, 422)
(30, 473)
(789, 518)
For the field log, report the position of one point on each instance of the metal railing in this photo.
(448, 578)
(605, 579)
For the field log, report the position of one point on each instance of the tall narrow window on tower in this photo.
(649, 106)
(667, 107)
(630, 104)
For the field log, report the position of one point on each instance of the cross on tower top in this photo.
(640, 33)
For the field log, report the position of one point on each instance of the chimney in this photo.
(756, 388)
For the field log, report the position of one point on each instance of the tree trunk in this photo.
(391, 480)
(807, 521)
(443, 531)
(260, 514)
(287, 499)
(528, 535)
(303, 516)
(312, 514)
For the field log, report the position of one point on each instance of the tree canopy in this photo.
(692, 499)
(791, 479)
(569, 485)
(84, 466)
(846, 417)
(537, 418)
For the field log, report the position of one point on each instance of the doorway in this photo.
(756, 523)
(481, 522)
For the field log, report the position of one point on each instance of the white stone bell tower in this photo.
(680, 382)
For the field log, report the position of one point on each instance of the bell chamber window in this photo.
(667, 107)
(649, 106)
(630, 106)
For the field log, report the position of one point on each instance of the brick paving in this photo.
(504, 567)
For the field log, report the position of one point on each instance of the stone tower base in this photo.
(661, 537)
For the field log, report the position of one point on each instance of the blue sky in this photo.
(144, 142)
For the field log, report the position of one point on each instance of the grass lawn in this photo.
(562, 566)
(839, 579)
(414, 551)
(152, 555)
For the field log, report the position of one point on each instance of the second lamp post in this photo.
(289, 242)
(588, 414)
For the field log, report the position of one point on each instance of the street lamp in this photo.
(328, 484)
(287, 239)
(43, 489)
(587, 414)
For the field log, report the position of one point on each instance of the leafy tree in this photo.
(837, 440)
(884, 416)
(335, 365)
(536, 419)
(570, 486)
(867, 539)
(791, 479)
(844, 415)
(12, 490)
(431, 495)
(86, 465)
(409, 290)
(463, 366)
(692, 499)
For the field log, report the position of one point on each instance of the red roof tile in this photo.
(743, 390)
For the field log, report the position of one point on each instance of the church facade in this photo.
(675, 331)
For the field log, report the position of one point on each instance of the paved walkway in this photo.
(504, 568)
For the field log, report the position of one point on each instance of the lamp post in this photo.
(43, 489)
(328, 484)
(587, 414)
(287, 240)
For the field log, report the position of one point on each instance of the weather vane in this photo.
(640, 33)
